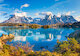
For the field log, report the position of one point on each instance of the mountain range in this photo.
(49, 19)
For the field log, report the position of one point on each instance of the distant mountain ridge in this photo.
(49, 19)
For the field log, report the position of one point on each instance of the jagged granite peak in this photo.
(55, 19)
(68, 19)
(48, 17)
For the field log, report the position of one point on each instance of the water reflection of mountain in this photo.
(38, 34)
(45, 38)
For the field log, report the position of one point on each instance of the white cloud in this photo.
(36, 14)
(68, 13)
(17, 10)
(77, 18)
(1, 21)
(25, 5)
(44, 13)
(73, 11)
(21, 14)
(1, 12)
(59, 15)
(2, 7)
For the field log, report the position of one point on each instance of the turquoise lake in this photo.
(40, 38)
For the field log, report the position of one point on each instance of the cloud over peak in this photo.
(59, 15)
(21, 14)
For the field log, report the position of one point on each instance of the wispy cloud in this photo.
(44, 13)
(66, 13)
(57, 4)
(36, 14)
(25, 5)
(3, 7)
(3, 13)
(70, 12)
(17, 10)
(73, 11)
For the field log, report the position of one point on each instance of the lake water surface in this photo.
(40, 38)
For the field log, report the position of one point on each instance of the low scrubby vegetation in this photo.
(33, 26)
(71, 47)
(46, 26)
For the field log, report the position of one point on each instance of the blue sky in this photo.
(34, 7)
